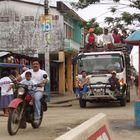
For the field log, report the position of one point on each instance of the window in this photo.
(68, 31)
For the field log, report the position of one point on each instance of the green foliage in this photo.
(113, 9)
(135, 4)
(127, 18)
(109, 20)
(84, 3)
(93, 24)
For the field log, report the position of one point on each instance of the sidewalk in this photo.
(60, 100)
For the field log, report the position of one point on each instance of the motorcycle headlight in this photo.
(21, 91)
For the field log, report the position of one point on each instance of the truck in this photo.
(99, 66)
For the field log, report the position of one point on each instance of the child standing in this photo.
(6, 92)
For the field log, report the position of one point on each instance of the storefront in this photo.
(12, 61)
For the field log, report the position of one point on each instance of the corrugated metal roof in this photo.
(4, 53)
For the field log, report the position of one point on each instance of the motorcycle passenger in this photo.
(37, 77)
(114, 82)
(28, 81)
(81, 84)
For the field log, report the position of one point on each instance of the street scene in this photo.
(69, 70)
(60, 119)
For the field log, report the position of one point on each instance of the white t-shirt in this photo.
(29, 83)
(108, 38)
(37, 77)
(5, 83)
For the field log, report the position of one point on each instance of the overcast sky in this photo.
(100, 11)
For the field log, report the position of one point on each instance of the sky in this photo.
(100, 11)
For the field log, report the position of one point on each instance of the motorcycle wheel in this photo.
(34, 125)
(14, 120)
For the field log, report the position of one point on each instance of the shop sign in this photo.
(46, 23)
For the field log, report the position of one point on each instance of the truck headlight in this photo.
(121, 82)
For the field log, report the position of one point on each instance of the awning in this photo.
(4, 53)
(8, 65)
(57, 61)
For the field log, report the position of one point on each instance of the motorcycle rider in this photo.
(37, 77)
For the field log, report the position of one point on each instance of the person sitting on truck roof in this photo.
(81, 84)
(123, 37)
(116, 36)
(108, 40)
(91, 40)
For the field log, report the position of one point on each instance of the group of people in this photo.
(108, 39)
(83, 82)
(29, 77)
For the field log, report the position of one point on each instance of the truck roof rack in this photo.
(117, 47)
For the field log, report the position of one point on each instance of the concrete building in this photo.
(25, 30)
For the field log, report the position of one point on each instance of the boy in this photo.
(27, 81)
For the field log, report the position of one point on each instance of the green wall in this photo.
(77, 32)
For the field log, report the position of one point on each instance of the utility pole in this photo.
(46, 7)
(47, 53)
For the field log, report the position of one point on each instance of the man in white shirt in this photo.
(37, 77)
(108, 40)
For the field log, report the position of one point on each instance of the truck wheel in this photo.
(123, 102)
(82, 102)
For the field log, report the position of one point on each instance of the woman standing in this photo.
(6, 92)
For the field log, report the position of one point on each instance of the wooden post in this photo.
(62, 72)
(69, 74)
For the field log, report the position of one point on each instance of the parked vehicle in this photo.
(99, 66)
(21, 109)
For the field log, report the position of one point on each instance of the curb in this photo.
(59, 105)
(63, 101)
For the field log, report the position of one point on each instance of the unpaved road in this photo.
(58, 120)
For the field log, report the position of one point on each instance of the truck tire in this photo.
(82, 102)
(123, 102)
(128, 94)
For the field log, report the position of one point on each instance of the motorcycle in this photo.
(21, 109)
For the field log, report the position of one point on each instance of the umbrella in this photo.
(134, 39)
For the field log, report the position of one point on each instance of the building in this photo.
(25, 30)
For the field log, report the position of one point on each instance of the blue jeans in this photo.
(80, 91)
(37, 104)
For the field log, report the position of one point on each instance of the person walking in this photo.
(6, 92)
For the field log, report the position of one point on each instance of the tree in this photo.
(93, 24)
(84, 3)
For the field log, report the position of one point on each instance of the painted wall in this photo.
(21, 29)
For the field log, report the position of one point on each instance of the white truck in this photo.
(98, 66)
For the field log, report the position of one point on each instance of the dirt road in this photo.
(58, 120)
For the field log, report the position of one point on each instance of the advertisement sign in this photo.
(46, 22)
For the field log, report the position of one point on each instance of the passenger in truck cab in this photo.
(81, 84)
(91, 41)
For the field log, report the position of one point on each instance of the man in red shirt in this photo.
(91, 40)
(116, 36)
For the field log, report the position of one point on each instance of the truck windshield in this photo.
(101, 64)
